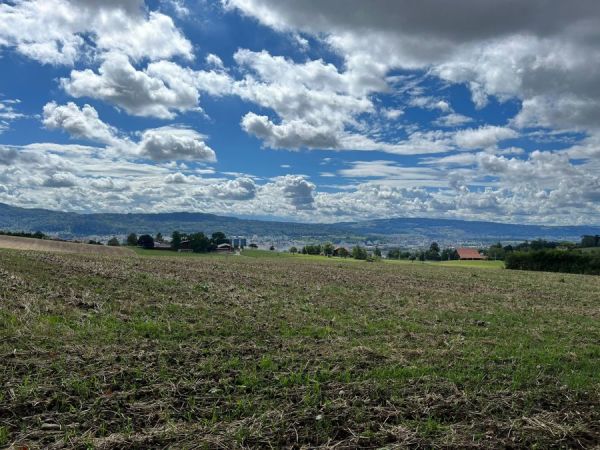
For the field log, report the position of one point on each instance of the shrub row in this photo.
(555, 261)
(36, 235)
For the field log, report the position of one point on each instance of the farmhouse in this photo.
(341, 251)
(465, 253)
(224, 248)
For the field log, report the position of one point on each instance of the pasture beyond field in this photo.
(47, 245)
(231, 352)
(254, 253)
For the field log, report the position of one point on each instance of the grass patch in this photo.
(484, 264)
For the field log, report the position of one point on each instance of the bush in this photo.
(359, 253)
(396, 253)
(554, 261)
(132, 239)
(311, 250)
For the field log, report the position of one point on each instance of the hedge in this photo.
(555, 261)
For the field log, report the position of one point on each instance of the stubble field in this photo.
(242, 352)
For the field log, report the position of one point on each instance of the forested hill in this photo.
(69, 225)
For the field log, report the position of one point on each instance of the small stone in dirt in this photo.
(50, 427)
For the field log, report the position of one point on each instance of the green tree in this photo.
(590, 241)
(393, 253)
(218, 238)
(449, 254)
(342, 252)
(496, 252)
(433, 254)
(377, 252)
(293, 250)
(132, 239)
(359, 253)
(146, 241)
(158, 237)
(176, 240)
(328, 249)
(272, 248)
(199, 242)
(113, 242)
(311, 249)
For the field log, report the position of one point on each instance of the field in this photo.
(474, 264)
(22, 243)
(264, 351)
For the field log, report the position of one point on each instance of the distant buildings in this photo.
(238, 242)
(465, 253)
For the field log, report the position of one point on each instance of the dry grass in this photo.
(217, 352)
(45, 245)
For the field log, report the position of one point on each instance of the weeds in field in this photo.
(214, 352)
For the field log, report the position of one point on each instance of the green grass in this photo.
(248, 252)
(258, 253)
(172, 254)
(469, 264)
(272, 349)
(475, 264)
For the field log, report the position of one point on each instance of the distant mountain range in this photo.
(397, 230)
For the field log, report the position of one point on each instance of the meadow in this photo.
(25, 243)
(258, 351)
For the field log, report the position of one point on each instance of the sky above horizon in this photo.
(316, 111)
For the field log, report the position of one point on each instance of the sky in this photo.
(313, 111)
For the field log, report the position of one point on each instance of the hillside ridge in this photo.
(71, 224)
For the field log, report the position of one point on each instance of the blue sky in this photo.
(311, 111)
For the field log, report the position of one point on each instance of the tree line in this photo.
(195, 242)
(551, 260)
(499, 252)
(328, 249)
(590, 241)
(25, 234)
(434, 253)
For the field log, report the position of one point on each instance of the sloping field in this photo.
(221, 352)
(21, 243)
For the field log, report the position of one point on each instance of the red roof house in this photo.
(469, 253)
